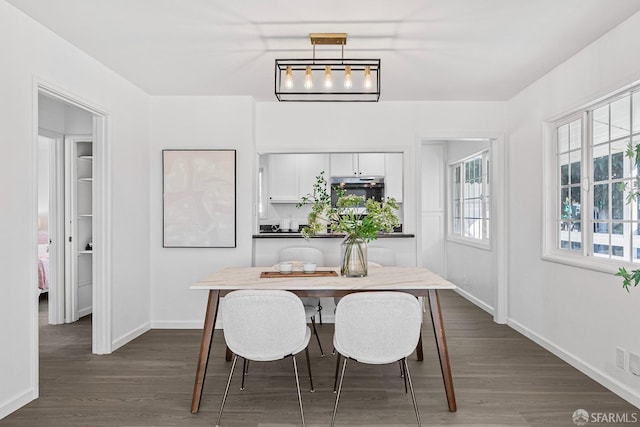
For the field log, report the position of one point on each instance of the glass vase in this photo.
(353, 251)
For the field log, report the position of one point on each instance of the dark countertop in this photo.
(278, 235)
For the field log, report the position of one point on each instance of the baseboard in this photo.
(119, 342)
(466, 295)
(179, 324)
(622, 390)
(17, 402)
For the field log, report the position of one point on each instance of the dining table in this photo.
(325, 282)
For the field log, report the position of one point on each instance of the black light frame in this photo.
(338, 64)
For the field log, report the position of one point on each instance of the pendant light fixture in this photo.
(339, 79)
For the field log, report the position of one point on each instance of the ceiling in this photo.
(430, 49)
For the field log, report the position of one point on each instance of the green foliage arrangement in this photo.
(633, 152)
(344, 218)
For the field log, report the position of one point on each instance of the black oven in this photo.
(371, 187)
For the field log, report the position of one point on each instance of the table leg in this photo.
(419, 349)
(443, 352)
(205, 348)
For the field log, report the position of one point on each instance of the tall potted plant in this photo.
(358, 219)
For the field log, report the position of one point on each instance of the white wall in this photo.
(478, 279)
(30, 51)
(201, 123)
(580, 314)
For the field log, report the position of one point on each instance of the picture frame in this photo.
(199, 198)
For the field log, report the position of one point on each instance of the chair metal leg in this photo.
(413, 395)
(245, 367)
(335, 408)
(320, 311)
(335, 376)
(403, 374)
(226, 390)
(315, 332)
(306, 351)
(295, 369)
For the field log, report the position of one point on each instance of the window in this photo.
(594, 178)
(470, 197)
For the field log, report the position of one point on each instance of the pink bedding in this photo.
(43, 272)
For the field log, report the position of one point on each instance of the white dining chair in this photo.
(298, 255)
(262, 326)
(377, 328)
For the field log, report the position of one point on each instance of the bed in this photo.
(43, 261)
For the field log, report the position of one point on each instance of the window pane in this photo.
(601, 162)
(575, 236)
(563, 139)
(601, 125)
(618, 159)
(576, 162)
(564, 169)
(601, 201)
(620, 118)
(575, 201)
(565, 204)
(575, 134)
(617, 201)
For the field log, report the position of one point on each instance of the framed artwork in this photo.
(199, 198)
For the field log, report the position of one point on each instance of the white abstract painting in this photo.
(199, 198)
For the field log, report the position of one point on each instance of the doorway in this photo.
(73, 224)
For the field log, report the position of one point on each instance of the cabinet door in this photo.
(342, 164)
(310, 166)
(371, 164)
(393, 176)
(283, 178)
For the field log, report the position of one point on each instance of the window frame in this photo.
(551, 188)
(485, 241)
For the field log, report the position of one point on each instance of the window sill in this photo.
(589, 262)
(479, 244)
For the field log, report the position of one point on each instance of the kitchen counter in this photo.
(279, 235)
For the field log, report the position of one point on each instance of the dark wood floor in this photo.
(501, 379)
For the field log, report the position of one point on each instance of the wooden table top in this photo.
(385, 278)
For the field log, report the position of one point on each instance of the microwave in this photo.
(371, 187)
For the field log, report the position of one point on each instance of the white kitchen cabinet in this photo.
(393, 176)
(292, 176)
(357, 164)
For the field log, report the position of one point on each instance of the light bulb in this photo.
(367, 77)
(288, 79)
(328, 81)
(347, 77)
(308, 80)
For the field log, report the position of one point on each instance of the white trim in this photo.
(178, 324)
(131, 335)
(484, 244)
(102, 209)
(622, 390)
(483, 305)
(9, 406)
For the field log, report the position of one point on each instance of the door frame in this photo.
(102, 209)
(498, 153)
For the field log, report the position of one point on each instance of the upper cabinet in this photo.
(357, 164)
(292, 176)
